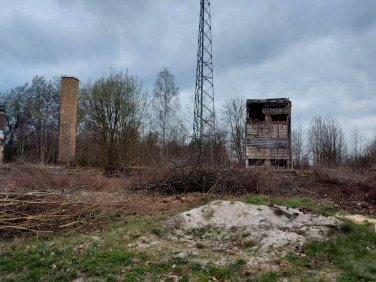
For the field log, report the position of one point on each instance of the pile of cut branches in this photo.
(45, 213)
(233, 181)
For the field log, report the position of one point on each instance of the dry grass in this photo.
(58, 179)
(339, 175)
(37, 199)
(41, 199)
(359, 187)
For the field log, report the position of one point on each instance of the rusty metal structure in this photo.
(268, 132)
(68, 119)
(2, 125)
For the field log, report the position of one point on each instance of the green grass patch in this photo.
(249, 244)
(305, 203)
(200, 246)
(156, 231)
(106, 256)
(354, 252)
(106, 262)
(257, 199)
(267, 277)
(220, 272)
(241, 261)
(110, 255)
(351, 253)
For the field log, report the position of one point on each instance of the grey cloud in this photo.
(256, 31)
(319, 53)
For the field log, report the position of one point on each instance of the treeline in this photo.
(121, 125)
(324, 143)
(31, 121)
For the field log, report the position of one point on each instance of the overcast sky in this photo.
(319, 53)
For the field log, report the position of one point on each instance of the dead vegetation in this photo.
(40, 199)
(346, 185)
(55, 179)
(220, 181)
(42, 213)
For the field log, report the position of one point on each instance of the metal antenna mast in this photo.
(204, 114)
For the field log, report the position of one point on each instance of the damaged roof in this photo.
(272, 100)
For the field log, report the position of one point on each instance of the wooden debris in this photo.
(44, 213)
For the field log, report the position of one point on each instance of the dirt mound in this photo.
(254, 231)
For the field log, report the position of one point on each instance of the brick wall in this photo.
(68, 119)
(267, 131)
(267, 153)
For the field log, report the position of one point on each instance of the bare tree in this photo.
(17, 115)
(326, 141)
(114, 107)
(356, 143)
(370, 152)
(234, 119)
(32, 121)
(299, 156)
(165, 105)
(44, 103)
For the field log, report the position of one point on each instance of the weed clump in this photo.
(200, 246)
(249, 244)
(156, 231)
(241, 261)
(347, 227)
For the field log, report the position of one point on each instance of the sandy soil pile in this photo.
(255, 231)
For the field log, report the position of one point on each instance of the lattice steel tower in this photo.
(204, 114)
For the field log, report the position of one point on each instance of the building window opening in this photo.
(280, 117)
(255, 112)
(255, 162)
(279, 163)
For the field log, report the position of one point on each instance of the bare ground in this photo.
(129, 191)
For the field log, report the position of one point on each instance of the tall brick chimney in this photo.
(68, 119)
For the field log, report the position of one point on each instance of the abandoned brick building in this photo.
(268, 132)
(2, 123)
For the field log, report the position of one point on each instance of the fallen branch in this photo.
(47, 213)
